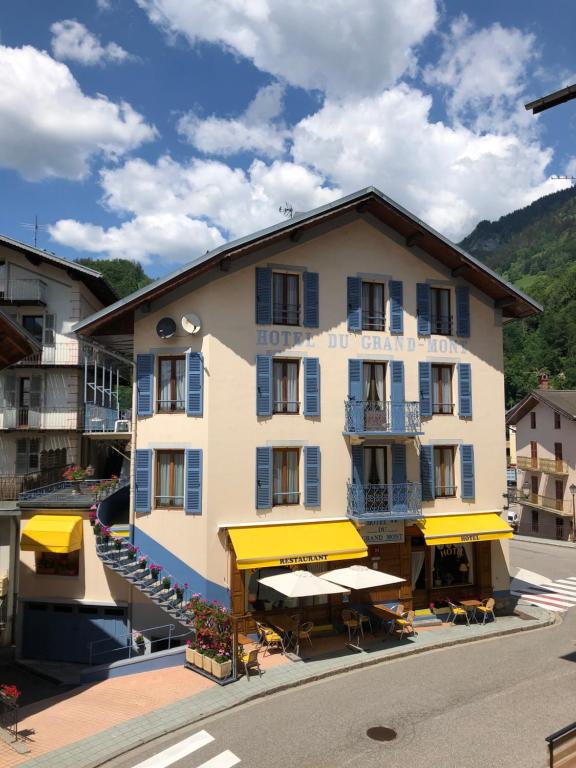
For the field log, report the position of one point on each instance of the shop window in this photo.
(51, 564)
(171, 383)
(373, 306)
(285, 386)
(452, 565)
(285, 476)
(169, 478)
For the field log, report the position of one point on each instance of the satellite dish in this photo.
(166, 328)
(191, 323)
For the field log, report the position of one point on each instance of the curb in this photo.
(65, 758)
(547, 542)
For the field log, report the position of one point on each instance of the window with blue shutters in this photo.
(193, 482)
(357, 500)
(427, 472)
(467, 471)
(396, 290)
(464, 390)
(311, 386)
(194, 384)
(399, 496)
(264, 478)
(311, 476)
(425, 387)
(462, 311)
(398, 405)
(354, 285)
(263, 295)
(310, 282)
(263, 385)
(423, 309)
(355, 406)
(142, 480)
(144, 384)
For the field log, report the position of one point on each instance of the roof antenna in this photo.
(571, 179)
(287, 210)
(37, 228)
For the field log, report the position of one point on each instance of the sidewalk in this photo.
(548, 542)
(147, 715)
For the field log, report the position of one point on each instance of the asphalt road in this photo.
(491, 703)
(552, 561)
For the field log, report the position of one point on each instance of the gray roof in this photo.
(297, 222)
(561, 400)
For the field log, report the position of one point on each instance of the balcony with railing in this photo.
(548, 503)
(372, 417)
(527, 463)
(64, 353)
(11, 486)
(74, 494)
(384, 502)
(22, 291)
(553, 466)
(35, 418)
(99, 418)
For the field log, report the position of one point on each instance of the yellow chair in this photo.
(250, 661)
(486, 608)
(404, 625)
(305, 631)
(457, 611)
(350, 621)
(269, 638)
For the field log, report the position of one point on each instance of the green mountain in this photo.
(535, 248)
(123, 275)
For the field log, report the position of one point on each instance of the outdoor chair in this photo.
(486, 608)
(404, 625)
(269, 638)
(457, 611)
(351, 622)
(305, 631)
(364, 618)
(250, 661)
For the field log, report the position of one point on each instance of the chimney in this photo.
(543, 380)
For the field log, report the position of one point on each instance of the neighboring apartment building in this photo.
(325, 391)
(545, 422)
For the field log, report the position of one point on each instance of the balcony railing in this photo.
(441, 325)
(372, 416)
(553, 466)
(527, 462)
(22, 291)
(28, 418)
(375, 502)
(549, 503)
(65, 353)
(79, 491)
(11, 486)
(98, 418)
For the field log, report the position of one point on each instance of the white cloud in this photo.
(451, 177)
(104, 5)
(49, 127)
(484, 73)
(339, 47)
(71, 40)
(180, 210)
(254, 131)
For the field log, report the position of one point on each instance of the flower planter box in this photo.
(207, 664)
(191, 654)
(222, 670)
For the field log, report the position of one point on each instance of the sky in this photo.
(155, 130)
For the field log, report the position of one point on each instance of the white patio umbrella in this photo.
(301, 584)
(360, 577)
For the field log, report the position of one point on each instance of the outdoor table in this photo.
(470, 607)
(383, 612)
(287, 627)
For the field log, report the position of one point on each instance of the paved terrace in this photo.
(92, 724)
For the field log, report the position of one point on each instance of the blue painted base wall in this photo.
(178, 569)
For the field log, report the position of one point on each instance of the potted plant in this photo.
(179, 590)
(207, 657)
(10, 693)
(221, 664)
(166, 583)
(155, 571)
(193, 654)
(140, 643)
(92, 516)
(76, 475)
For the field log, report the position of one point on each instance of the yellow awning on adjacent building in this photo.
(263, 546)
(52, 533)
(460, 529)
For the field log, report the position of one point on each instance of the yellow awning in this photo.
(262, 546)
(460, 529)
(52, 533)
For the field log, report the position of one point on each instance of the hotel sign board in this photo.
(382, 531)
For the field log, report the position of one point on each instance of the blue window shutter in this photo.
(396, 306)
(357, 489)
(467, 471)
(263, 385)
(354, 304)
(425, 385)
(194, 383)
(311, 476)
(311, 299)
(193, 478)
(464, 390)
(144, 384)
(399, 496)
(462, 311)
(263, 295)
(427, 472)
(263, 478)
(142, 480)
(398, 406)
(355, 404)
(423, 309)
(311, 386)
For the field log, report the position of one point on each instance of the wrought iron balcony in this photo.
(33, 418)
(382, 417)
(23, 291)
(384, 502)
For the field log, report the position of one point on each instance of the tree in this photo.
(123, 275)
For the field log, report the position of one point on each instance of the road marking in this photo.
(567, 584)
(541, 604)
(567, 597)
(224, 760)
(178, 751)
